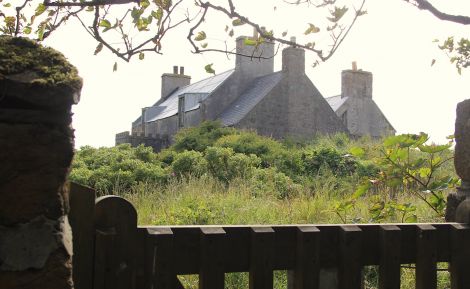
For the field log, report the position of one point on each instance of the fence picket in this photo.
(350, 268)
(160, 241)
(460, 256)
(389, 268)
(307, 267)
(261, 255)
(426, 257)
(212, 273)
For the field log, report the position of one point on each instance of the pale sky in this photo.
(393, 41)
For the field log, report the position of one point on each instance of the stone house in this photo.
(251, 96)
(356, 108)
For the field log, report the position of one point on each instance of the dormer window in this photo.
(181, 110)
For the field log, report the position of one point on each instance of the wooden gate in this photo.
(122, 255)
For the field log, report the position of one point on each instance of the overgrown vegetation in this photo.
(214, 174)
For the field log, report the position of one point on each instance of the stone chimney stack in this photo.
(254, 60)
(171, 81)
(293, 59)
(356, 83)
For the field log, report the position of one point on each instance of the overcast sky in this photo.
(393, 41)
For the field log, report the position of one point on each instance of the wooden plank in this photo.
(389, 269)
(160, 264)
(307, 268)
(460, 256)
(350, 267)
(104, 241)
(211, 272)
(117, 213)
(141, 279)
(426, 257)
(261, 258)
(82, 205)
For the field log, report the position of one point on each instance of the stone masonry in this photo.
(37, 88)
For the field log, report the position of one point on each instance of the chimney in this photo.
(172, 81)
(248, 59)
(293, 59)
(356, 83)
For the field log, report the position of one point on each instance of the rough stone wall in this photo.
(38, 88)
(192, 118)
(462, 166)
(364, 117)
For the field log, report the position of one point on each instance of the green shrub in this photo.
(339, 164)
(189, 163)
(225, 165)
(201, 137)
(271, 182)
(120, 167)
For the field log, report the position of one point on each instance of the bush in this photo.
(225, 165)
(270, 181)
(189, 163)
(201, 137)
(120, 167)
(339, 164)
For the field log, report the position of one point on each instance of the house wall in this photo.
(294, 107)
(364, 117)
(167, 126)
(192, 118)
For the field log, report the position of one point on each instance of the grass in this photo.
(202, 201)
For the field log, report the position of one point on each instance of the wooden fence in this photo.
(118, 254)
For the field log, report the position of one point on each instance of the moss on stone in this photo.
(20, 55)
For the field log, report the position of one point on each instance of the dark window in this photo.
(181, 111)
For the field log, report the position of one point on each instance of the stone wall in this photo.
(38, 87)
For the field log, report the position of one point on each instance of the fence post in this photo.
(82, 205)
(116, 215)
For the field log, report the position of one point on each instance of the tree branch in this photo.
(425, 5)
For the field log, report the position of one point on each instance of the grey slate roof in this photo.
(194, 93)
(254, 93)
(336, 101)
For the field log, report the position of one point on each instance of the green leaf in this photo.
(237, 22)
(204, 45)
(208, 68)
(311, 29)
(115, 66)
(231, 33)
(338, 13)
(357, 152)
(98, 48)
(433, 61)
(40, 9)
(432, 149)
(250, 42)
(40, 31)
(361, 190)
(284, 34)
(200, 36)
(27, 30)
(105, 23)
(141, 56)
(9, 5)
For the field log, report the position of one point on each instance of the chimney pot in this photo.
(354, 66)
(175, 69)
(182, 70)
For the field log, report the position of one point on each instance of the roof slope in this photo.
(336, 101)
(200, 90)
(254, 93)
